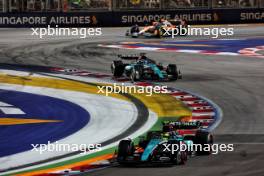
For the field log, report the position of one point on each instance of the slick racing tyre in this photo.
(178, 157)
(125, 148)
(134, 29)
(205, 139)
(136, 74)
(117, 68)
(172, 71)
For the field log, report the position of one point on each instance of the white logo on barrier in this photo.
(10, 109)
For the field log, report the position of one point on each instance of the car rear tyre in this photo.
(172, 71)
(136, 74)
(125, 148)
(117, 68)
(205, 139)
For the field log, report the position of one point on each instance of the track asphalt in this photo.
(235, 83)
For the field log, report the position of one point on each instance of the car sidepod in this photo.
(149, 149)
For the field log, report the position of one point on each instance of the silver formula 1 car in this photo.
(151, 149)
(143, 68)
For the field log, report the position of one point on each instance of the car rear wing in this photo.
(183, 125)
(128, 57)
(131, 57)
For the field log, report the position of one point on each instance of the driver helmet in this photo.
(166, 136)
(143, 57)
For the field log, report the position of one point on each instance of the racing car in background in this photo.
(143, 68)
(163, 28)
(151, 149)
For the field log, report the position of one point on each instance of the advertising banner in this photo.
(128, 18)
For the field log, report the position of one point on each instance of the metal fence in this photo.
(122, 5)
(237, 3)
(137, 4)
(87, 5)
(1, 5)
(172, 4)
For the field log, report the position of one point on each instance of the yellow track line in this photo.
(19, 121)
(54, 83)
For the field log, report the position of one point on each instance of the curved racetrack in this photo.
(235, 83)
